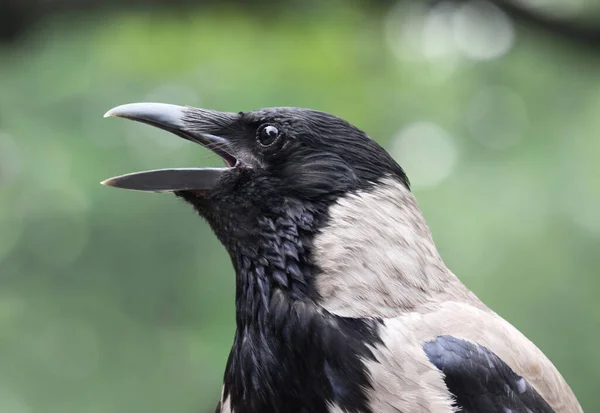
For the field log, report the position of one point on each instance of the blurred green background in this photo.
(114, 301)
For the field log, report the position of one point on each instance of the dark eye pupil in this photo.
(268, 135)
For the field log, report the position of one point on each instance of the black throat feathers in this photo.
(289, 354)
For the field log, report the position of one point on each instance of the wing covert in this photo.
(480, 381)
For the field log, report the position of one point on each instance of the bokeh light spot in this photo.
(482, 31)
(417, 33)
(426, 152)
(435, 40)
(420, 34)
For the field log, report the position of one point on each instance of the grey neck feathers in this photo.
(378, 258)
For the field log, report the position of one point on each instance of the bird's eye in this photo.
(268, 135)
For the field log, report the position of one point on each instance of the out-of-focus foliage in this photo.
(113, 301)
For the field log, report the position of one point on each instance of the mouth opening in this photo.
(214, 143)
(171, 119)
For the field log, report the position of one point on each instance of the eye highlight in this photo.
(268, 135)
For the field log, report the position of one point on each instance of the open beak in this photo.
(196, 125)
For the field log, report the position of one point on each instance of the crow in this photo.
(343, 303)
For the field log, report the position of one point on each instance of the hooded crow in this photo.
(343, 303)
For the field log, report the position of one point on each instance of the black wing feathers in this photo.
(480, 381)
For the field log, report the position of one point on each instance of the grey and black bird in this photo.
(343, 303)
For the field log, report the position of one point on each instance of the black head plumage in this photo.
(308, 154)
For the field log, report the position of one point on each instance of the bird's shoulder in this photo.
(480, 381)
(459, 342)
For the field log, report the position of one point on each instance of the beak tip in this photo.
(108, 182)
(110, 113)
(113, 112)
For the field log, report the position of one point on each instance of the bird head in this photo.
(276, 159)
